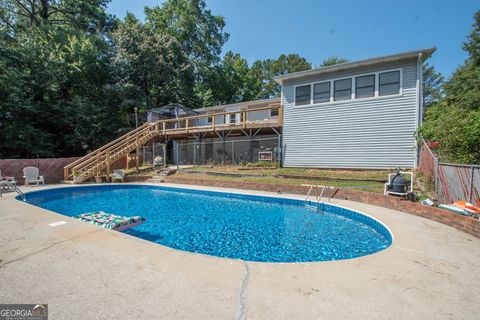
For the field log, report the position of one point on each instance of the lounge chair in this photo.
(30, 174)
(118, 175)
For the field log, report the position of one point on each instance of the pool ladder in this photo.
(318, 197)
(13, 187)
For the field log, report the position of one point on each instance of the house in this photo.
(362, 114)
(359, 115)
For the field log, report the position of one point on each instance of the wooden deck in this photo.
(197, 127)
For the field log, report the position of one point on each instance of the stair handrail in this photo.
(96, 151)
(113, 151)
(92, 156)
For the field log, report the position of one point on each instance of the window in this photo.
(232, 118)
(209, 119)
(273, 112)
(321, 92)
(239, 117)
(302, 95)
(365, 86)
(389, 83)
(343, 89)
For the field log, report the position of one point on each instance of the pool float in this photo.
(111, 221)
(454, 209)
(467, 206)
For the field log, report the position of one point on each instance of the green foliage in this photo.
(151, 65)
(455, 121)
(199, 32)
(432, 85)
(331, 61)
(71, 75)
(54, 80)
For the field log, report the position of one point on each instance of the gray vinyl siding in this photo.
(371, 133)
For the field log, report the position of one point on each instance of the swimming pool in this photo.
(230, 225)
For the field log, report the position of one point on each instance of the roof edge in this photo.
(359, 63)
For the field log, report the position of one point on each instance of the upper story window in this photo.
(389, 83)
(209, 119)
(321, 92)
(273, 112)
(343, 89)
(302, 95)
(365, 86)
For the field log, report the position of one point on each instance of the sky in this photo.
(352, 29)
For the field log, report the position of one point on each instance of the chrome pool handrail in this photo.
(13, 187)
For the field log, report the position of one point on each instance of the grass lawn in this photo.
(329, 173)
(308, 176)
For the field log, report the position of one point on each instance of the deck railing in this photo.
(102, 158)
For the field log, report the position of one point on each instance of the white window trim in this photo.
(311, 92)
(353, 98)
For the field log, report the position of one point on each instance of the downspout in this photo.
(419, 103)
(420, 87)
(280, 140)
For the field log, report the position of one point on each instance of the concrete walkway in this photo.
(431, 271)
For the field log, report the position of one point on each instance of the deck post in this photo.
(107, 159)
(194, 152)
(175, 144)
(164, 147)
(137, 160)
(280, 116)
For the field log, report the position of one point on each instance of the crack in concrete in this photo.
(48, 247)
(241, 311)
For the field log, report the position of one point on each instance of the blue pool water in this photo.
(251, 228)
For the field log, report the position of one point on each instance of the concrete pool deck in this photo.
(84, 272)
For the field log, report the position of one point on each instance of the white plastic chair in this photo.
(31, 175)
(118, 175)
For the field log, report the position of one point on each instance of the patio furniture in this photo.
(118, 175)
(31, 175)
(11, 180)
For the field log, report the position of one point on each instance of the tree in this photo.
(268, 69)
(86, 15)
(153, 63)
(455, 121)
(199, 32)
(331, 61)
(55, 80)
(432, 85)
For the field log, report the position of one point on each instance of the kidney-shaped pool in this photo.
(238, 226)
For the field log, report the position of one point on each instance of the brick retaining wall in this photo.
(51, 169)
(463, 223)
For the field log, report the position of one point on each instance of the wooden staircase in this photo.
(100, 160)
